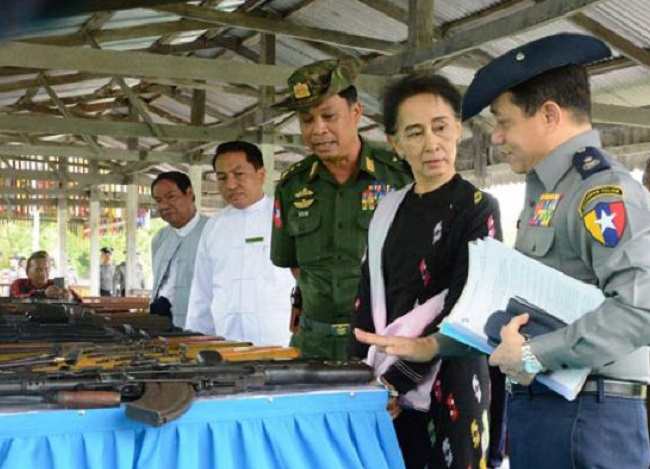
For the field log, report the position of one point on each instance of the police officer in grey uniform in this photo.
(106, 272)
(585, 216)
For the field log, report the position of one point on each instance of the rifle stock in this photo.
(87, 399)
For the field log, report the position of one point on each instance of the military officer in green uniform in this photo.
(323, 204)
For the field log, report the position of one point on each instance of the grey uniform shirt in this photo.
(592, 222)
(106, 274)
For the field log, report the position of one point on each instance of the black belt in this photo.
(594, 385)
(616, 388)
(337, 330)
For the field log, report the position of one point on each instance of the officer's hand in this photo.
(507, 356)
(416, 349)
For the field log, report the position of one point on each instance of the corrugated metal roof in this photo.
(628, 86)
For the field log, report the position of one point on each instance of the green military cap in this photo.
(314, 83)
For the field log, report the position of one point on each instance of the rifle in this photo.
(162, 394)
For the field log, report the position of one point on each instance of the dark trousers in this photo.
(411, 427)
(104, 293)
(547, 431)
(498, 421)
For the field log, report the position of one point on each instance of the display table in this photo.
(347, 429)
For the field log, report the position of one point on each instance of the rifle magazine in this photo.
(161, 403)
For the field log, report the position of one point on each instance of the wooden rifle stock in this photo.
(87, 399)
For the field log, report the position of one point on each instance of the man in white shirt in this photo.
(237, 292)
(173, 248)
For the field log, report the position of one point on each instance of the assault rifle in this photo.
(159, 395)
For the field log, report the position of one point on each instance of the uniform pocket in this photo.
(537, 242)
(363, 222)
(304, 228)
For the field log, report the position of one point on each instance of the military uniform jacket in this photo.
(321, 227)
(585, 216)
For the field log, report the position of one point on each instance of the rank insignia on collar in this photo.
(373, 194)
(545, 209)
(313, 170)
(606, 223)
(600, 191)
(303, 204)
(301, 90)
(370, 164)
(302, 193)
(478, 196)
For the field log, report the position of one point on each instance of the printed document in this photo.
(497, 273)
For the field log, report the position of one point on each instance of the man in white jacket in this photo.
(237, 292)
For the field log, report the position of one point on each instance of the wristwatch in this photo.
(529, 361)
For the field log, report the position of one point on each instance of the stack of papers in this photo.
(497, 273)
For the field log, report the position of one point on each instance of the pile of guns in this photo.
(80, 356)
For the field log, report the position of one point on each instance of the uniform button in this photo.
(340, 193)
(339, 225)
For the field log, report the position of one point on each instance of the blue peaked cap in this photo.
(527, 61)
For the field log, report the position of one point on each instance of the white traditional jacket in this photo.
(237, 292)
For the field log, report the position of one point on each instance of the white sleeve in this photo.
(199, 314)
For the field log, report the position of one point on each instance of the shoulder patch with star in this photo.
(606, 222)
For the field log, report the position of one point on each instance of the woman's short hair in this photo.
(412, 85)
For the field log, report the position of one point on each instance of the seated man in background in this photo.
(37, 284)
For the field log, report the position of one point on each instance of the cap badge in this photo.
(520, 56)
(301, 90)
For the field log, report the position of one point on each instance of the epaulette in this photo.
(296, 168)
(390, 158)
(589, 161)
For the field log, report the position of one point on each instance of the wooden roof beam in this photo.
(151, 67)
(535, 16)
(75, 125)
(280, 27)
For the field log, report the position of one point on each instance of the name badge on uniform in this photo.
(373, 194)
(545, 209)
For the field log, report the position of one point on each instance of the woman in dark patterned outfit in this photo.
(424, 252)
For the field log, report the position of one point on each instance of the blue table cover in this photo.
(327, 429)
